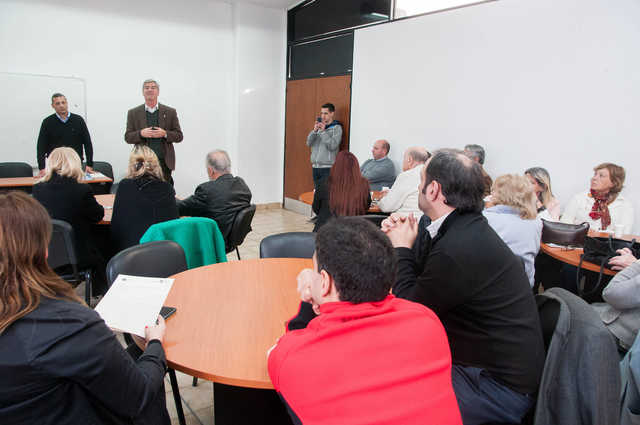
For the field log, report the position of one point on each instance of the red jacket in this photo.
(372, 363)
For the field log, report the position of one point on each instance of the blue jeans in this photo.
(482, 400)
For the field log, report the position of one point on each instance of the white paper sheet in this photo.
(133, 302)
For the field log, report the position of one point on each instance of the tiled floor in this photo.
(198, 401)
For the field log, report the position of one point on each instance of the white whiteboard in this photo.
(27, 101)
(551, 83)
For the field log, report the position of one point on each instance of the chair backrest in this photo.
(581, 377)
(153, 259)
(104, 168)
(376, 219)
(288, 245)
(15, 169)
(62, 249)
(199, 237)
(241, 227)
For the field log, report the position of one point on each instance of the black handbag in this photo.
(563, 233)
(599, 251)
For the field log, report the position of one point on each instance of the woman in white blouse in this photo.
(602, 207)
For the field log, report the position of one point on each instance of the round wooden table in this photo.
(228, 315)
(307, 198)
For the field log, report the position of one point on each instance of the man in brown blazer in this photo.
(155, 125)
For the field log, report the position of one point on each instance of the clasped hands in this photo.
(153, 133)
(401, 231)
(623, 260)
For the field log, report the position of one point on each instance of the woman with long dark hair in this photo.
(344, 193)
(59, 363)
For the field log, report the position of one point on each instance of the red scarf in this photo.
(600, 209)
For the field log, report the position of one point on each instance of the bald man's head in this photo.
(414, 156)
(380, 149)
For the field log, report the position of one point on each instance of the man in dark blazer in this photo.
(221, 197)
(155, 125)
(458, 266)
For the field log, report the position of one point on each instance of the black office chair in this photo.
(15, 169)
(106, 169)
(152, 259)
(376, 219)
(288, 245)
(63, 259)
(240, 228)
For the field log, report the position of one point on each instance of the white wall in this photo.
(550, 83)
(259, 94)
(189, 47)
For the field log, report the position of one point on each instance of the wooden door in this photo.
(304, 99)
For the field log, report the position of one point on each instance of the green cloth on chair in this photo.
(200, 238)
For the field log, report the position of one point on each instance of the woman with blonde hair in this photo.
(143, 198)
(547, 205)
(59, 363)
(513, 217)
(66, 198)
(602, 206)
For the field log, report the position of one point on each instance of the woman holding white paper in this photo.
(59, 363)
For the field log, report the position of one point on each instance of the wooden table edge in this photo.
(554, 253)
(218, 379)
(21, 181)
(307, 198)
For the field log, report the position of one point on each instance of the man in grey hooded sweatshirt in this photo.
(324, 141)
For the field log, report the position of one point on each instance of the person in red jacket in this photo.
(355, 354)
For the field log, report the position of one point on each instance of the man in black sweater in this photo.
(221, 197)
(461, 269)
(63, 129)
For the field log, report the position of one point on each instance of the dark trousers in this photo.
(483, 400)
(166, 171)
(319, 174)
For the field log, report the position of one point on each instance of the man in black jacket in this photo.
(461, 269)
(221, 197)
(63, 129)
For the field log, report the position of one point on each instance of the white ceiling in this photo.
(277, 4)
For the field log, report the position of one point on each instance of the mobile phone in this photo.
(153, 128)
(319, 119)
(167, 311)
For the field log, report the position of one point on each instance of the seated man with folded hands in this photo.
(403, 195)
(354, 353)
